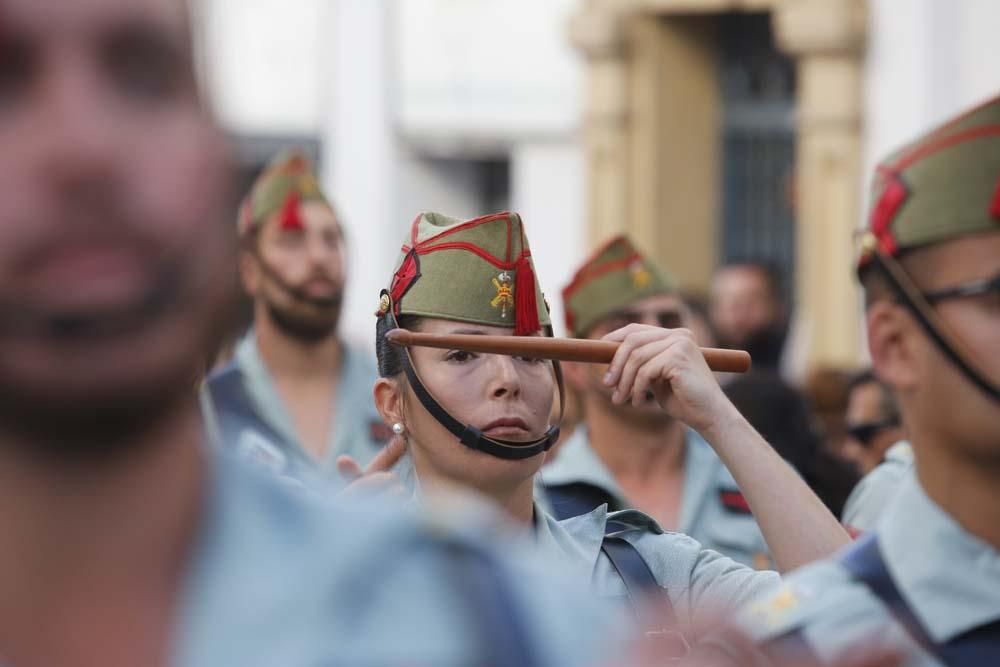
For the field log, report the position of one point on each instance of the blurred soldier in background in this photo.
(295, 397)
(639, 456)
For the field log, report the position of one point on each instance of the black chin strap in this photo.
(472, 437)
(929, 320)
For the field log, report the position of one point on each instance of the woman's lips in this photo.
(511, 426)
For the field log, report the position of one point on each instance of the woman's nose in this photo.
(507, 381)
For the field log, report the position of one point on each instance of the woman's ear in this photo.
(388, 394)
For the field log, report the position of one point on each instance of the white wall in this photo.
(548, 191)
(500, 68)
(927, 60)
(265, 63)
(361, 156)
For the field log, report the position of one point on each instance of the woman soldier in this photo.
(482, 422)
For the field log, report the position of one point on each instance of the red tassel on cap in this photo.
(290, 220)
(995, 206)
(526, 306)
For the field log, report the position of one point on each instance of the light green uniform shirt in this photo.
(870, 498)
(949, 579)
(708, 486)
(697, 581)
(269, 438)
(278, 578)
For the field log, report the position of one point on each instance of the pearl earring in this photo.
(398, 428)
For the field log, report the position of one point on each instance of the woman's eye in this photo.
(459, 356)
(530, 360)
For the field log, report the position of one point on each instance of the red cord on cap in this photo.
(526, 306)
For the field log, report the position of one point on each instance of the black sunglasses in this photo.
(866, 432)
(975, 288)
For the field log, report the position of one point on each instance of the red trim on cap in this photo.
(995, 204)
(415, 229)
(462, 245)
(930, 148)
(475, 222)
(894, 195)
(403, 279)
(597, 272)
(961, 117)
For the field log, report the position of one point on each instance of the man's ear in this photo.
(250, 273)
(893, 337)
(388, 393)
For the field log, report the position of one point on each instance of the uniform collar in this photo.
(950, 578)
(901, 452)
(578, 463)
(572, 543)
(347, 408)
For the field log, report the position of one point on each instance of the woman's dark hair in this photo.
(389, 356)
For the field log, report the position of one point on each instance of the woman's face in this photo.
(507, 398)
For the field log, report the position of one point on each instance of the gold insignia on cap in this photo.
(308, 186)
(504, 299)
(641, 277)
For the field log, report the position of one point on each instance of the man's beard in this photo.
(96, 426)
(305, 327)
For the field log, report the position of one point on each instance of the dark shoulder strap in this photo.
(642, 586)
(981, 646)
(234, 409)
(569, 500)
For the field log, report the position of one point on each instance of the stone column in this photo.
(599, 34)
(827, 38)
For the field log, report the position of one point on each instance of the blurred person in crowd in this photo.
(482, 422)
(638, 456)
(927, 582)
(876, 445)
(827, 389)
(294, 398)
(699, 321)
(782, 416)
(126, 541)
(872, 419)
(749, 310)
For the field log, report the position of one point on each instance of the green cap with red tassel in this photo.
(478, 271)
(288, 181)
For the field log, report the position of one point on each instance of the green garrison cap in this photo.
(615, 276)
(944, 185)
(286, 181)
(477, 271)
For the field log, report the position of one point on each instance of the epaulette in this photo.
(633, 519)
